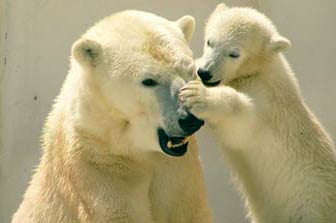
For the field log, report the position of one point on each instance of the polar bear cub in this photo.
(284, 160)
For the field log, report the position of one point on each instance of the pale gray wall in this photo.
(39, 36)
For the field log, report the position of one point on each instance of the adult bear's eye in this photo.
(149, 82)
(234, 54)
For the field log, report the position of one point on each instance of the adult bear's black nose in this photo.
(205, 75)
(190, 124)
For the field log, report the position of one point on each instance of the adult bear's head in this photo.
(133, 65)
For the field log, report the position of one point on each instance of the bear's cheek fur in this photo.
(143, 135)
(140, 113)
(227, 69)
(117, 96)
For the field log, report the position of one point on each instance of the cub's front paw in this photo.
(195, 97)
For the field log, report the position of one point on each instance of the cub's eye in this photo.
(149, 82)
(209, 43)
(234, 54)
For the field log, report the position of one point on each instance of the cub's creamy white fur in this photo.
(101, 160)
(284, 161)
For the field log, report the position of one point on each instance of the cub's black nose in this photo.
(205, 75)
(190, 124)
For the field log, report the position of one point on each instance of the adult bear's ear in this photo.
(187, 25)
(279, 43)
(86, 52)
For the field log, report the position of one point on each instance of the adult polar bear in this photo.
(102, 160)
(283, 159)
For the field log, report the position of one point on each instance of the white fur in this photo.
(284, 161)
(101, 158)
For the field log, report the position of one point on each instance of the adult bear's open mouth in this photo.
(174, 146)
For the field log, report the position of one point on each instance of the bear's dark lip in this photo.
(211, 84)
(176, 151)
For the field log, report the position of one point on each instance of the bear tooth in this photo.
(185, 140)
(169, 144)
(177, 145)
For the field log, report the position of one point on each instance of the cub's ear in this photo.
(86, 52)
(187, 25)
(279, 43)
(221, 7)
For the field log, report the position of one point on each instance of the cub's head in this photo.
(238, 42)
(136, 62)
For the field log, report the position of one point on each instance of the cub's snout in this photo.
(205, 75)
